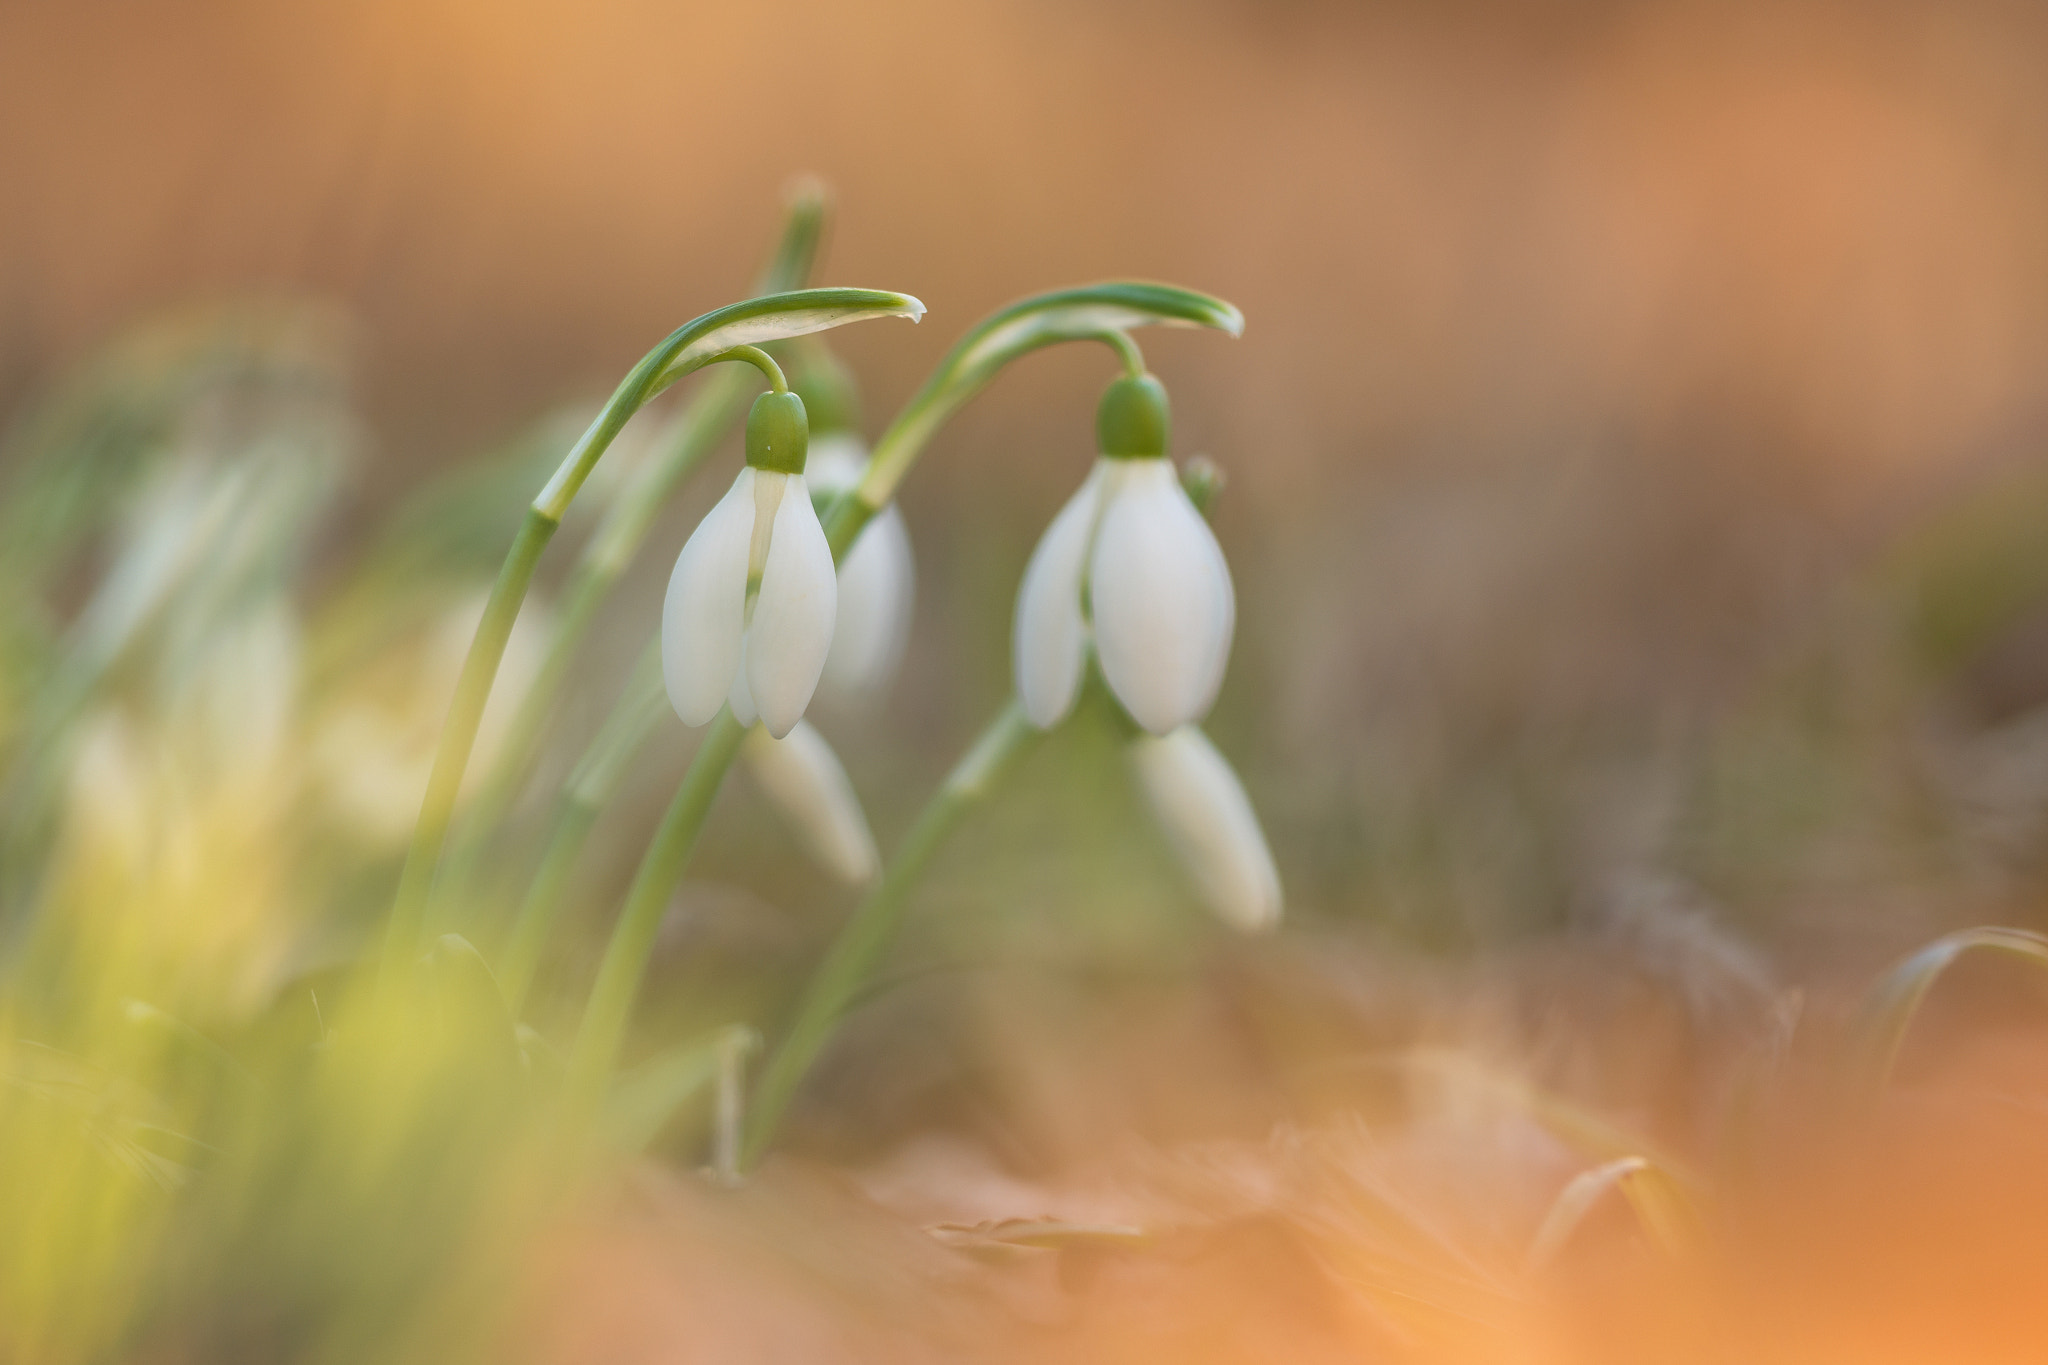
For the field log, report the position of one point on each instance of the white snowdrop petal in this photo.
(1222, 599)
(1209, 821)
(835, 463)
(705, 610)
(877, 591)
(805, 781)
(1161, 617)
(791, 632)
(1049, 638)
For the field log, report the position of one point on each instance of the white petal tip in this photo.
(1204, 812)
(1042, 714)
(1252, 917)
(802, 776)
(691, 718)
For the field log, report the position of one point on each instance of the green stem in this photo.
(867, 934)
(759, 359)
(603, 563)
(458, 737)
(619, 537)
(1096, 312)
(596, 573)
(735, 1045)
(590, 788)
(695, 344)
(632, 941)
(1126, 350)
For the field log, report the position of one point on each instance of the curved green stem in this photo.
(749, 323)
(759, 359)
(632, 941)
(1126, 350)
(711, 412)
(867, 934)
(458, 737)
(1096, 312)
(694, 344)
(597, 572)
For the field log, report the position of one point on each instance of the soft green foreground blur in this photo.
(217, 1147)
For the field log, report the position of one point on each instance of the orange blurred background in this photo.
(1588, 345)
(1448, 225)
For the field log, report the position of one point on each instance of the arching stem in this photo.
(691, 346)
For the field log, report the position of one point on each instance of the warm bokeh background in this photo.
(1597, 351)
(1815, 223)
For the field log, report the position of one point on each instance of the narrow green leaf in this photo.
(1003, 1238)
(1661, 1203)
(1891, 1004)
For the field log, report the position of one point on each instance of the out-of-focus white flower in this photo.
(1209, 821)
(877, 579)
(234, 708)
(805, 780)
(1129, 562)
(372, 746)
(749, 615)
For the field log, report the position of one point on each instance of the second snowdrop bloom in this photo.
(877, 579)
(1130, 565)
(749, 615)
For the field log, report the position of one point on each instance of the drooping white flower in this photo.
(877, 579)
(750, 608)
(1209, 821)
(1129, 564)
(804, 779)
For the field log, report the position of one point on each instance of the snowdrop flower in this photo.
(1129, 562)
(804, 779)
(748, 617)
(877, 579)
(1209, 821)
